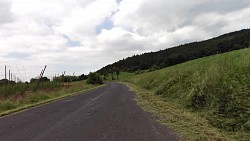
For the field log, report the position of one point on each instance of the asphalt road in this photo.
(108, 113)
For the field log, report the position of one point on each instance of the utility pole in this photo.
(5, 73)
(41, 76)
(9, 75)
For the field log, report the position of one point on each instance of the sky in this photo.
(85, 35)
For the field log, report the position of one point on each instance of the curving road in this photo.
(108, 113)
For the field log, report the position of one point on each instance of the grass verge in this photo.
(31, 99)
(215, 88)
(189, 126)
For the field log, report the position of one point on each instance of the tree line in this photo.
(182, 53)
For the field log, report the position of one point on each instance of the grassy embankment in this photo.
(204, 99)
(47, 92)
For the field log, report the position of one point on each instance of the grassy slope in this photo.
(31, 99)
(192, 96)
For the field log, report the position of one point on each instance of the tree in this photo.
(94, 78)
(82, 77)
(4, 82)
(105, 74)
(182, 53)
(117, 71)
(154, 67)
(112, 73)
(43, 79)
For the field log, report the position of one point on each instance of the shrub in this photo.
(94, 78)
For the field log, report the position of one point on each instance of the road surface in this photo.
(108, 113)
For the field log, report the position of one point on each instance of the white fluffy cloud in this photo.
(63, 33)
(171, 18)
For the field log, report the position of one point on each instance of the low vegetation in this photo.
(188, 125)
(215, 88)
(15, 96)
(94, 78)
(17, 101)
(9, 88)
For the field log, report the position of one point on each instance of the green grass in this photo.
(203, 95)
(10, 89)
(189, 126)
(31, 99)
(45, 85)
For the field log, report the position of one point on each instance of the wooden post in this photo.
(9, 75)
(41, 76)
(5, 73)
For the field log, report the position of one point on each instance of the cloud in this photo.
(5, 12)
(85, 35)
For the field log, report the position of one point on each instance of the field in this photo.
(47, 92)
(204, 99)
(7, 90)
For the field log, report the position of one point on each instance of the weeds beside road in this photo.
(17, 102)
(209, 93)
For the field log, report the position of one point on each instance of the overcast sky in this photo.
(85, 35)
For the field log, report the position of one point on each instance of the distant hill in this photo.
(172, 56)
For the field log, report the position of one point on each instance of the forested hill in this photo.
(172, 56)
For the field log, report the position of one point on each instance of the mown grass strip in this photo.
(189, 126)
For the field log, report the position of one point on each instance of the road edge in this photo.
(185, 124)
(41, 103)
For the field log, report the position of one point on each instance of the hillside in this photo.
(172, 56)
(216, 87)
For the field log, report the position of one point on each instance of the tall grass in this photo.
(45, 85)
(43, 95)
(217, 86)
(10, 89)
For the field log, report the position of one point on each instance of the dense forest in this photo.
(172, 56)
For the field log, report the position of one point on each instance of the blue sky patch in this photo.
(71, 43)
(17, 55)
(107, 24)
(118, 1)
(74, 43)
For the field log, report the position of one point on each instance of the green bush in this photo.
(94, 78)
